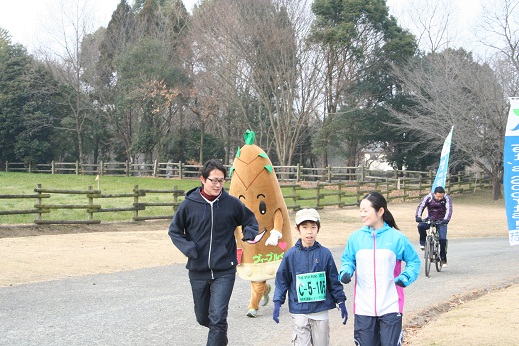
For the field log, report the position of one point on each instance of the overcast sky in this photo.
(27, 21)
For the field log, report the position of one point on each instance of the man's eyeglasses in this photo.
(216, 181)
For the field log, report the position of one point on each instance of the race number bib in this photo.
(311, 287)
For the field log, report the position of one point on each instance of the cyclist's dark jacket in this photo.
(436, 210)
(204, 232)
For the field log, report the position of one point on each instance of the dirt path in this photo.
(31, 254)
(40, 253)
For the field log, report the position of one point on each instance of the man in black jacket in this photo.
(203, 230)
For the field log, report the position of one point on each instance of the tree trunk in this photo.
(202, 130)
(496, 187)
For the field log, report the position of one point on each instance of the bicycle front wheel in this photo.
(437, 256)
(428, 255)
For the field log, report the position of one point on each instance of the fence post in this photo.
(127, 168)
(175, 198)
(318, 195)
(39, 200)
(339, 190)
(180, 173)
(294, 196)
(101, 167)
(298, 173)
(404, 188)
(90, 204)
(136, 202)
(77, 167)
(329, 174)
(52, 167)
(155, 166)
(30, 167)
(7, 166)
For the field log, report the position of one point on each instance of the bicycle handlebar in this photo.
(431, 222)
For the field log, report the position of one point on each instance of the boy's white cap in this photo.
(307, 215)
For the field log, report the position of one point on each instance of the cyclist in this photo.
(439, 208)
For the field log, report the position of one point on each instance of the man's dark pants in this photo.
(211, 298)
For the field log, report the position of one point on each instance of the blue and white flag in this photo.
(511, 171)
(443, 169)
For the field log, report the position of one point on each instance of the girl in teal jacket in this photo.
(375, 254)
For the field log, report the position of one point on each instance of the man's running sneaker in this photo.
(422, 247)
(265, 298)
(444, 264)
(252, 313)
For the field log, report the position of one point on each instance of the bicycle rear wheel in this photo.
(437, 256)
(428, 255)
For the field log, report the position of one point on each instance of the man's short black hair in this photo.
(439, 189)
(213, 164)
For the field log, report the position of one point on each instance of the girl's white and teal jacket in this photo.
(376, 256)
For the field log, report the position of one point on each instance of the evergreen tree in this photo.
(29, 106)
(360, 41)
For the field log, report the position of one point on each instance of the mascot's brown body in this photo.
(254, 182)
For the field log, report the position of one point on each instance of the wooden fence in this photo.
(92, 205)
(179, 170)
(316, 195)
(156, 169)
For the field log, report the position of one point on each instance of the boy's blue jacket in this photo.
(376, 256)
(301, 260)
(204, 232)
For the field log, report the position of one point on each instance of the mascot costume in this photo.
(254, 182)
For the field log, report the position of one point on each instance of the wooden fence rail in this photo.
(179, 170)
(89, 207)
(297, 196)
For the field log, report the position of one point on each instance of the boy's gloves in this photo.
(346, 278)
(275, 315)
(344, 312)
(419, 219)
(274, 237)
(402, 280)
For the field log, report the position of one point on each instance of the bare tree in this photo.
(451, 89)
(499, 33)
(253, 56)
(434, 23)
(72, 22)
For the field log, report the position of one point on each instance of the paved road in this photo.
(154, 306)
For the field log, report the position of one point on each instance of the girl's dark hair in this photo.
(211, 165)
(378, 201)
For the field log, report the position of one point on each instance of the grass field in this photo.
(25, 183)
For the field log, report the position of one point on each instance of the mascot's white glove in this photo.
(273, 238)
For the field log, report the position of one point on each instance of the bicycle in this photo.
(432, 247)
